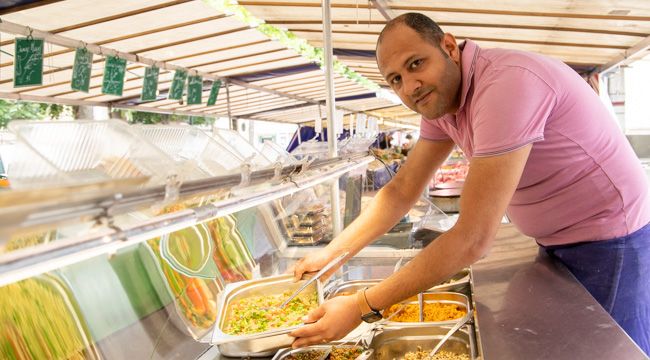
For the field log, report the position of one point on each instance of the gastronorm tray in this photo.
(394, 343)
(260, 344)
(283, 354)
(457, 283)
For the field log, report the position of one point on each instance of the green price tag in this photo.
(194, 90)
(114, 71)
(83, 61)
(150, 84)
(176, 91)
(214, 92)
(28, 62)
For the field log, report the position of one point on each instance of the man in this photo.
(542, 146)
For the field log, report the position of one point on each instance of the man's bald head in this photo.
(422, 24)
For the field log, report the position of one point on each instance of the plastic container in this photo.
(92, 151)
(186, 143)
(275, 153)
(242, 147)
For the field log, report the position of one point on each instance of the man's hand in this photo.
(333, 320)
(314, 262)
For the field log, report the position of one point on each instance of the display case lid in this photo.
(91, 151)
(242, 147)
(187, 143)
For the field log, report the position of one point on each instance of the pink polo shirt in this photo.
(582, 181)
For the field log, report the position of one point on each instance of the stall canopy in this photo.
(267, 80)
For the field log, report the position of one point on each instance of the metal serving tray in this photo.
(429, 297)
(460, 284)
(260, 344)
(389, 344)
(283, 354)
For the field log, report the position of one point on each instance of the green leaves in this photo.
(290, 40)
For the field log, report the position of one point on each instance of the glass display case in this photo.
(136, 271)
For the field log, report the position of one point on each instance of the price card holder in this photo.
(178, 85)
(28, 62)
(194, 90)
(114, 71)
(83, 61)
(150, 84)
(214, 93)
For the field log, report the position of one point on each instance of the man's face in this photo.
(426, 77)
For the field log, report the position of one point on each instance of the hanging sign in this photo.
(361, 124)
(318, 125)
(338, 121)
(214, 92)
(114, 71)
(150, 84)
(28, 62)
(178, 85)
(83, 61)
(194, 90)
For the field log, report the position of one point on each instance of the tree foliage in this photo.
(21, 110)
(140, 117)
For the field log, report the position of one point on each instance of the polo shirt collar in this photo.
(469, 53)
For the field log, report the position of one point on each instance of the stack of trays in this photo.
(307, 226)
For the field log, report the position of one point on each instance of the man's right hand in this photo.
(314, 262)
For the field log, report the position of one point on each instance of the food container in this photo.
(447, 200)
(457, 283)
(452, 298)
(389, 344)
(322, 352)
(263, 343)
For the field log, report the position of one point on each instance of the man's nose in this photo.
(411, 86)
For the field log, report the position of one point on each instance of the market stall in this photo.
(168, 242)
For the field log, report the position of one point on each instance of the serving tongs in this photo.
(449, 333)
(320, 273)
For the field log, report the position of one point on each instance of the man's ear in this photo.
(449, 46)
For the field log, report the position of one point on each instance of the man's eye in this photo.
(415, 64)
(395, 80)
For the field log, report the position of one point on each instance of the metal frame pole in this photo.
(330, 104)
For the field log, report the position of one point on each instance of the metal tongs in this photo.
(449, 333)
(320, 273)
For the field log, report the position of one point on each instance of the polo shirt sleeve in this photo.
(510, 111)
(430, 131)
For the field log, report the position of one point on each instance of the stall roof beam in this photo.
(627, 57)
(49, 100)
(13, 28)
(30, 5)
(565, 15)
(383, 9)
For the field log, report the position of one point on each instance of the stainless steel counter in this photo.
(529, 306)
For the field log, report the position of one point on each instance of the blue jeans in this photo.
(617, 273)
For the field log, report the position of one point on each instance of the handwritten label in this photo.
(194, 90)
(114, 71)
(83, 61)
(178, 84)
(150, 84)
(214, 92)
(28, 62)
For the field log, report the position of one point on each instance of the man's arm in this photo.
(396, 198)
(489, 186)
(389, 205)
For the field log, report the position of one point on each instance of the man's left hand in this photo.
(331, 321)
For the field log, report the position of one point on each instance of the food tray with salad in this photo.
(249, 320)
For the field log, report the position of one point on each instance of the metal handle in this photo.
(316, 277)
(451, 331)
